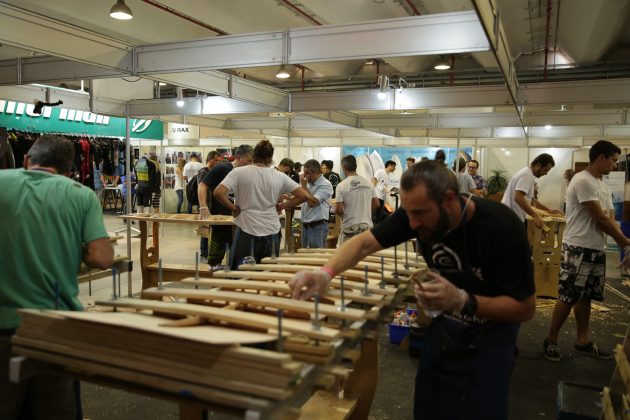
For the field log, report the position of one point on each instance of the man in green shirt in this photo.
(53, 224)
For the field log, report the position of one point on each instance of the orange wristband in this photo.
(328, 270)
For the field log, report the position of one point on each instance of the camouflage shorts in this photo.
(582, 274)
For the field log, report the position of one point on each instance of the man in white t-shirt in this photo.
(355, 201)
(257, 188)
(583, 266)
(519, 194)
(382, 181)
(191, 169)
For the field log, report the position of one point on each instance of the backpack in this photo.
(193, 186)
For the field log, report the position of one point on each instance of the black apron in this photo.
(465, 368)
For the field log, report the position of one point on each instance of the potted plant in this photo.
(497, 183)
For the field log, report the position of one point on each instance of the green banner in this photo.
(20, 116)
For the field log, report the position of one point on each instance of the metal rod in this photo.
(114, 297)
(90, 288)
(366, 291)
(227, 257)
(395, 275)
(273, 248)
(56, 295)
(417, 250)
(280, 344)
(316, 325)
(406, 257)
(196, 267)
(119, 293)
(343, 294)
(252, 247)
(382, 285)
(160, 274)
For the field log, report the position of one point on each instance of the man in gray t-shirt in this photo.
(355, 201)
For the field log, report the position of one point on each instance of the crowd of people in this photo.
(481, 280)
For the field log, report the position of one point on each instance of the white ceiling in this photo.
(587, 32)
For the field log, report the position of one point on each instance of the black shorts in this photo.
(582, 274)
(143, 195)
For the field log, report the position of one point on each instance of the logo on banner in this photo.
(139, 126)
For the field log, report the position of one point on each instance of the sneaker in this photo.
(551, 351)
(591, 350)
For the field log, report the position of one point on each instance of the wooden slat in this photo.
(388, 261)
(355, 296)
(350, 314)
(623, 366)
(156, 382)
(211, 221)
(608, 413)
(323, 405)
(373, 285)
(352, 275)
(227, 315)
(176, 371)
(300, 259)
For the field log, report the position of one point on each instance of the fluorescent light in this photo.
(180, 97)
(547, 127)
(162, 84)
(442, 64)
(282, 72)
(121, 11)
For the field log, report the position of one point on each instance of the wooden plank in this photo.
(52, 324)
(215, 220)
(178, 371)
(207, 334)
(299, 259)
(280, 287)
(323, 405)
(623, 366)
(352, 275)
(349, 314)
(373, 285)
(608, 413)
(177, 388)
(388, 260)
(227, 315)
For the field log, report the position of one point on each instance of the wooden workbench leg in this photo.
(148, 255)
(191, 411)
(362, 382)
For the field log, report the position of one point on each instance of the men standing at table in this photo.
(54, 223)
(583, 266)
(220, 235)
(519, 195)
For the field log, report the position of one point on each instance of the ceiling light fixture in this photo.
(282, 72)
(162, 84)
(180, 97)
(121, 11)
(383, 86)
(547, 127)
(442, 64)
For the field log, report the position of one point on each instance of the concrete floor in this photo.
(534, 383)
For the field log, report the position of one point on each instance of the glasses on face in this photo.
(472, 167)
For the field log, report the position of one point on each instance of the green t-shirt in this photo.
(44, 220)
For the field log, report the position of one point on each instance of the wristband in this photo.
(328, 271)
(204, 207)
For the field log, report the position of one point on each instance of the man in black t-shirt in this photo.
(483, 291)
(221, 235)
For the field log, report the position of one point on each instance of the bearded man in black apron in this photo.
(481, 287)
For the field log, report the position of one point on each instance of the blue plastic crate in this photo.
(397, 333)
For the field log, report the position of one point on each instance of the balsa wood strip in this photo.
(189, 373)
(387, 260)
(165, 218)
(283, 288)
(36, 321)
(350, 314)
(373, 285)
(227, 315)
(156, 382)
(352, 275)
(299, 259)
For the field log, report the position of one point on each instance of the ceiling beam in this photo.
(419, 35)
(488, 13)
(34, 32)
(50, 69)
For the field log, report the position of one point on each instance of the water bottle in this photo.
(424, 278)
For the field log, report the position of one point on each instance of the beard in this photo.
(436, 234)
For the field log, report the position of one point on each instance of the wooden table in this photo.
(150, 250)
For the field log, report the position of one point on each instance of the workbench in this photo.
(546, 246)
(150, 250)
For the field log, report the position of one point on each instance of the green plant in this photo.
(497, 182)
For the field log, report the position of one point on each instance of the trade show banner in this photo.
(20, 116)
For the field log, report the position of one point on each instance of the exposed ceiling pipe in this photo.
(416, 12)
(555, 43)
(547, 38)
(184, 16)
(302, 12)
